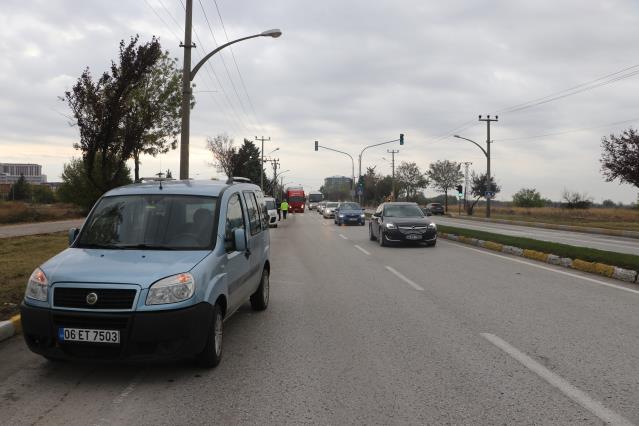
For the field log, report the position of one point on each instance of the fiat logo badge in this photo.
(92, 298)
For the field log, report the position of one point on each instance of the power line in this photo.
(228, 73)
(589, 85)
(237, 67)
(568, 131)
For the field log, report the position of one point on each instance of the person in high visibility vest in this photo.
(284, 208)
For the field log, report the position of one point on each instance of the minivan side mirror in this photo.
(73, 234)
(240, 239)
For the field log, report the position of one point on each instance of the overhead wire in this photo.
(248, 97)
(582, 129)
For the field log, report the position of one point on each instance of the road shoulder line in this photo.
(362, 250)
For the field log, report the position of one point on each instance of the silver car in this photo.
(329, 209)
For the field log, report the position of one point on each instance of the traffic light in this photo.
(460, 190)
(316, 144)
(401, 139)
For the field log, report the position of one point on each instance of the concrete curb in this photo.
(587, 230)
(10, 328)
(614, 272)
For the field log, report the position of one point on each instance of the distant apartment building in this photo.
(337, 182)
(11, 172)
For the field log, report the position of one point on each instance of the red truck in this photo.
(296, 199)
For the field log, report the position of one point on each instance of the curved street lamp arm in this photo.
(206, 58)
(376, 144)
(350, 156)
(470, 140)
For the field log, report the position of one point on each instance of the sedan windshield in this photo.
(403, 211)
(349, 206)
(150, 222)
(331, 204)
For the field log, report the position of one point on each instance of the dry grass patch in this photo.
(20, 212)
(19, 256)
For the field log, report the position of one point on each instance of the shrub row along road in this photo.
(358, 333)
(579, 239)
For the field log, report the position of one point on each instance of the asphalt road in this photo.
(33, 228)
(361, 334)
(601, 242)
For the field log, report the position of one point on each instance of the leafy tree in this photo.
(478, 189)
(78, 189)
(528, 197)
(445, 175)
(103, 111)
(221, 146)
(620, 157)
(246, 162)
(42, 194)
(21, 190)
(608, 204)
(575, 200)
(410, 179)
(153, 120)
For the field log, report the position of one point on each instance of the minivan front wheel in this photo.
(259, 299)
(212, 354)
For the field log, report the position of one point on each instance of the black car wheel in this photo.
(212, 353)
(259, 299)
(370, 233)
(382, 239)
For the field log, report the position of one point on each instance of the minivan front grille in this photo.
(107, 298)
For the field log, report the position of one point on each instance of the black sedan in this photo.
(401, 223)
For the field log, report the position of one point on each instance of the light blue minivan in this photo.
(153, 273)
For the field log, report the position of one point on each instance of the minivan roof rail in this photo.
(237, 179)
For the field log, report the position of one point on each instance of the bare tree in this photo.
(224, 153)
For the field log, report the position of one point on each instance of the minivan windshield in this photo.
(270, 204)
(150, 222)
(403, 211)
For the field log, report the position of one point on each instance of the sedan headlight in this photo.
(341, 215)
(363, 215)
(432, 226)
(37, 286)
(171, 289)
(390, 226)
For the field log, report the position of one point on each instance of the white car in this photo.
(329, 209)
(272, 211)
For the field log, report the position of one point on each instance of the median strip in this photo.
(620, 266)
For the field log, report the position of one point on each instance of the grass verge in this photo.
(622, 260)
(19, 256)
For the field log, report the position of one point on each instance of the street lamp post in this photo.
(317, 146)
(359, 173)
(188, 75)
(487, 154)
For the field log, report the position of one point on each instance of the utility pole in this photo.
(466, 164)
(186, 91)
(262, 162)
(488, 120)
(392, 152)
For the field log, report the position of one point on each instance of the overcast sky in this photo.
(349, 74)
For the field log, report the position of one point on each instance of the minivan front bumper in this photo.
(165, 335)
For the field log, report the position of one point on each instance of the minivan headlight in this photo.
(175, 288)
(37, 286)
(432, 226)
(391, 226)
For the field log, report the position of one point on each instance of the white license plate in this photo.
(413, 237)
(88, 335)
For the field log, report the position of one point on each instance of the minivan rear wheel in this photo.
(259, 299)
(211, 356)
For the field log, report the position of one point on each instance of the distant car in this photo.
(350, 214)
(271, 208)
(329, 209)
(401, 223)
(425, 211)
(435, 208)
(320, 207)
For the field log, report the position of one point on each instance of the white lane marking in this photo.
(362, 250)
(577, 395)
(605, 284)
(130, 388)
(403, 278)
(343, 236)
